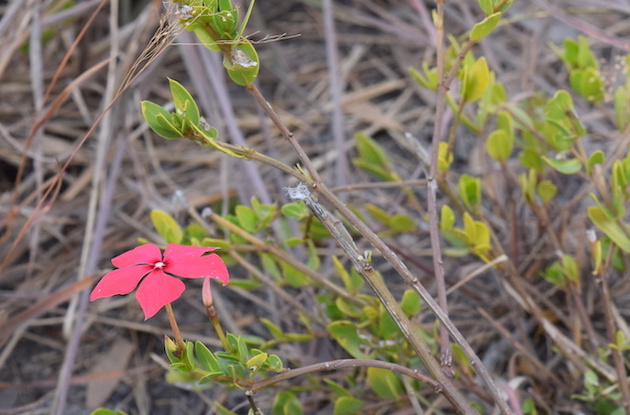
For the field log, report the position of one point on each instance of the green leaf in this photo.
(346, 334)
(167, 227)
(559, 106)
(402, 223)
(217, 243)
(270, 266)
(546, 190)
(570, 166)
(257, 361)
(184, 102)
(469, 191)
(477, 234)
(275, 331)
(410, 303)
(372, 157)
(384, 383)
(243, 64)
(588, 83)
(293, 276)
(352, 281)
(246, 218)
(286, 403)
(585, 57)
(622, 107)
(560, 109)
(445, 156)
(447, 218)
(105, 411)
(554, 274)
(245, 284)
(429, 80)
(499, 145)
(597, 157)
(387, 327)
(346, 405)
(486, 6)
(206, 358)
(506, 123)
(337, 389)
(528, 186)
(484, 27)
(275, 363)
(222, 410)
(475, 80)
(378, 213)
(530, 159)
(570, 268)
(610, 227)
(160, 121)
(347, 308)
(295, 210)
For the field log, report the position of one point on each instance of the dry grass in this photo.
(76, 186)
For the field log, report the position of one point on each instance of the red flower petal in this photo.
(209, 266)
(182, 253)
(143, 254)
(120, 281)
(157, 290)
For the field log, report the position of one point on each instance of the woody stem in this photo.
(176, 333)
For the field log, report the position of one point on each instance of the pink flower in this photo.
(153, 273)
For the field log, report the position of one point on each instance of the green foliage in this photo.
(347, 405)
(242, 64)
(475, 80)
(397, 223)
(584, 75)
(352, 281)
(485, 27)
(499, 145)
(500, 142)
(103, 411)
(237, 366)
(473, 238)
(491, 6)
(167, 227)
(185, 105)
(286, 403)
(384, 383)
(348, 337)
(184, 122)
(373, 159)
(445, 157)
(532, 139)
(469, 192)
(428, 80)
(621, 101)
(216, 25)
(563, 271)
(608, 224)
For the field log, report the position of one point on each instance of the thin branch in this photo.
(343, 364)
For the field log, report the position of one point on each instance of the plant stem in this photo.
(284, 256)
(343, 364)
(438, 266)
(214, 319)
(264, 104)
(176, 333)
(337, 230)
(617, 354)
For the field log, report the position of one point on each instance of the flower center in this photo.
(159, 265)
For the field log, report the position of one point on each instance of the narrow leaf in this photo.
(484, 27)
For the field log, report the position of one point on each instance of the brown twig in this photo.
(343, 364)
